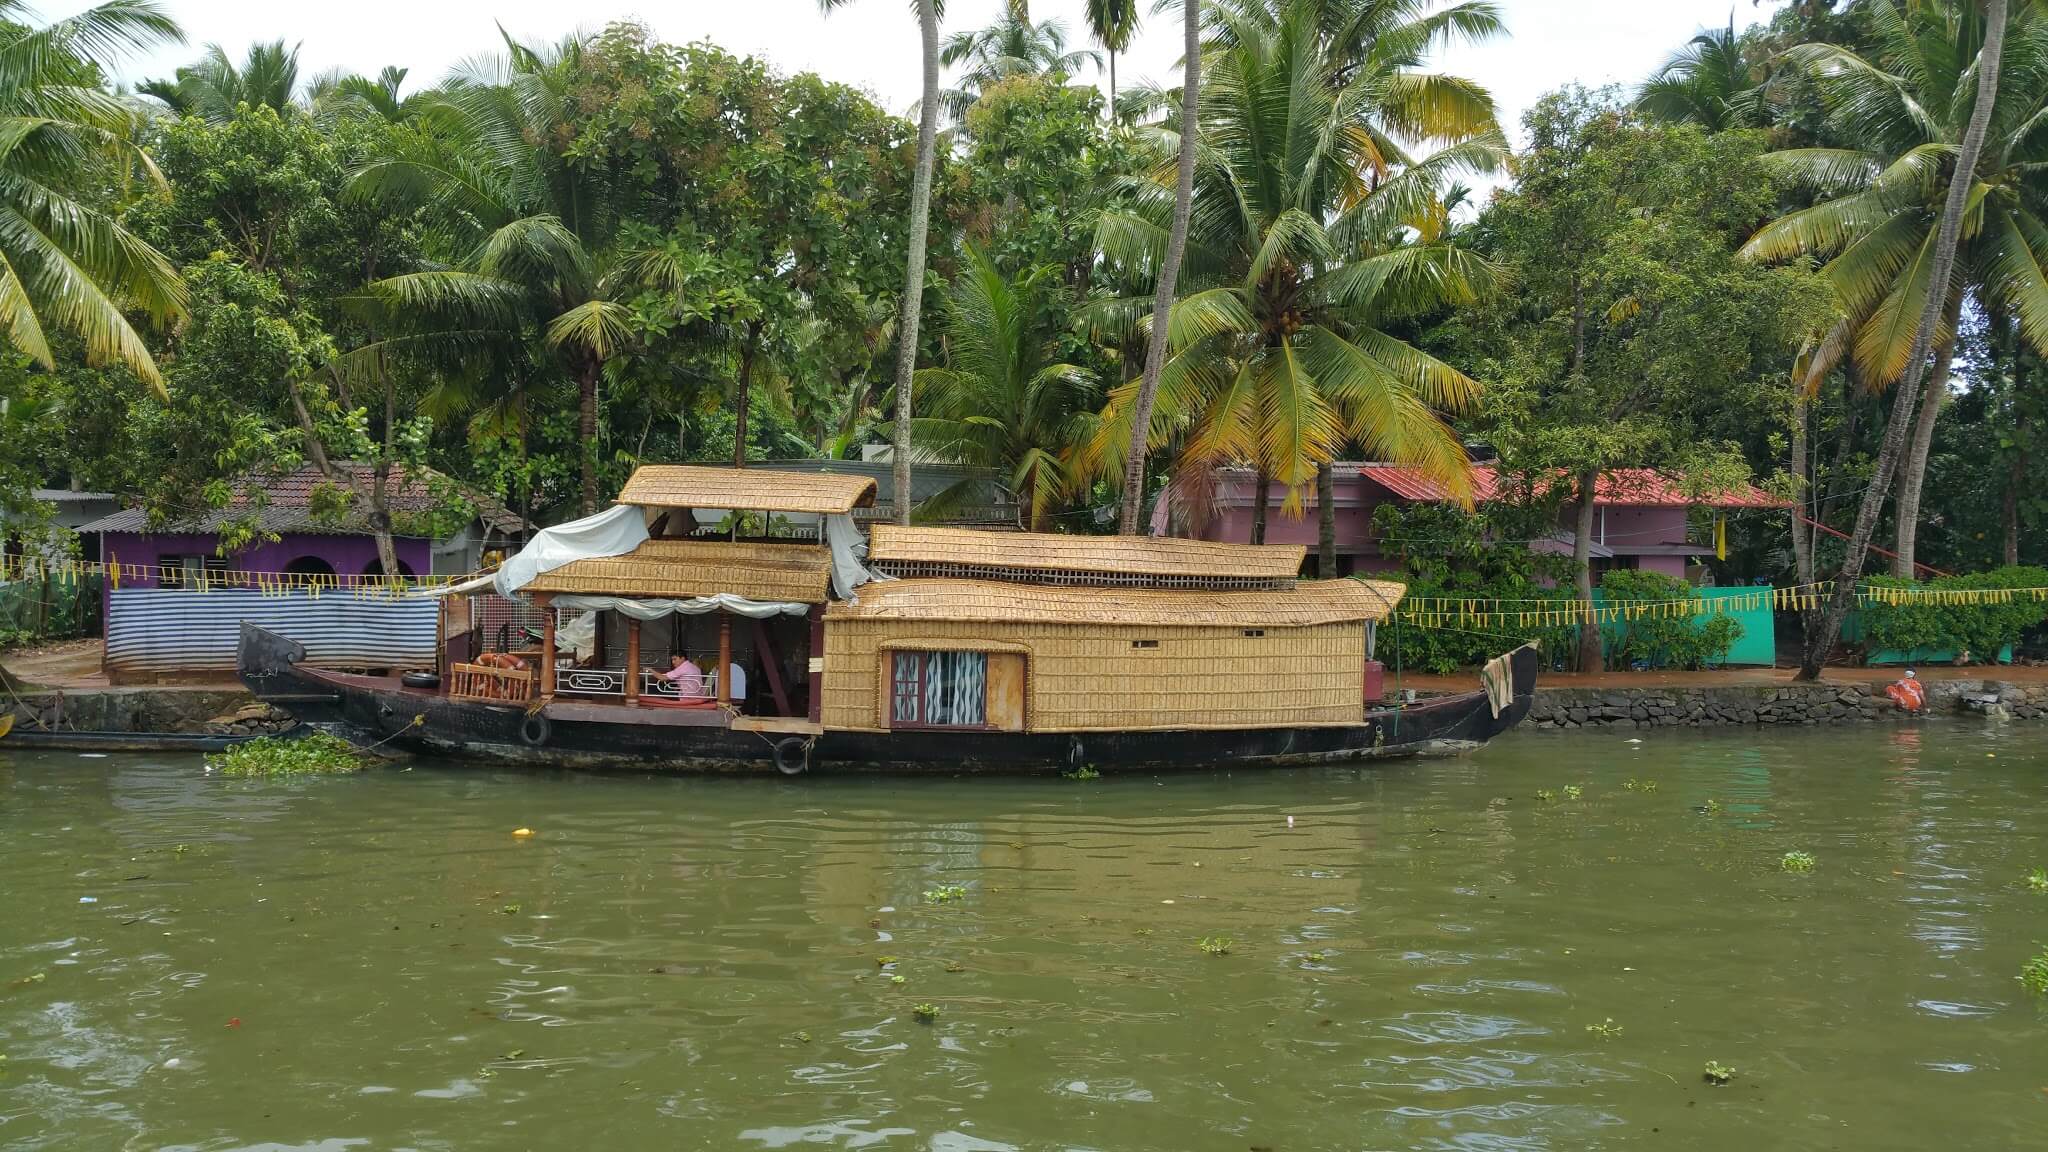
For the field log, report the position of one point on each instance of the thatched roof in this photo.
(1153, 556)
(745, 489)
(678, 569)
(1310, 602)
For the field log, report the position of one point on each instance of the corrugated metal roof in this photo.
(155, 632)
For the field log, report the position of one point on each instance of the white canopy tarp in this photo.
(694, 606)
(613, 532)
(622, 528)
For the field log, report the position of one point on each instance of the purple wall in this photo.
(1233, 522)
(349, 555)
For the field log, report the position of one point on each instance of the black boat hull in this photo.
(381, 710)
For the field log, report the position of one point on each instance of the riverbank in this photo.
(1760, 696)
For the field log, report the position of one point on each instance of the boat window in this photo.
(1255, 631)
(939, 690)
(1144, 643)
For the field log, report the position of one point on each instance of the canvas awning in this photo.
(746, 489)
(1308, 603)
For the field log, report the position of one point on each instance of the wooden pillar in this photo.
(816, 667)
(547, 645)
(632, 660)
(724, 657)
(771, 666)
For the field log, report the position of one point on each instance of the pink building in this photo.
(1640, 517)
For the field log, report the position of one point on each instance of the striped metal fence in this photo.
(160, 633)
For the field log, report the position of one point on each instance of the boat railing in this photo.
(612, 682)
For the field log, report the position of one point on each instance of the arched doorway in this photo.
(310, 566)
(376, 568)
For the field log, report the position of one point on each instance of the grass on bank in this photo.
(317, 753)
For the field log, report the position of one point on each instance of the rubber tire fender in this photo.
(793, 755)
(535, 730)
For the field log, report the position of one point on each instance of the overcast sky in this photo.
(873, 43)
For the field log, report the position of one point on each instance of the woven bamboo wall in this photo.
(1083, 677)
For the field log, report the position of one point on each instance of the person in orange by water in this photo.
(1907, 692)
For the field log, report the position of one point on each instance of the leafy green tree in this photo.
(1000, 400)
(772, 205)
(1632, 326)
(1902, 120)
(258, 214)
(1282, 355)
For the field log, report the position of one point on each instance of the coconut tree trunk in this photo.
(586, 399)
(1820, 641)
(1112, 85)
(1326, 521)
(1263, 487)
(1913, 473)
(1591, 657)
(2022, 460)
(380, 482)
(2016, 475)
(913, 273)
(1802, 486)
(1169, 271)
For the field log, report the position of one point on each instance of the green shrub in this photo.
(1663, 637)
(1980, 630)
(315, 753)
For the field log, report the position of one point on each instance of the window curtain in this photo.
(955, 688)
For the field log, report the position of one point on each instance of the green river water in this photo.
(376, 962)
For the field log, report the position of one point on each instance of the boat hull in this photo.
(380, 710)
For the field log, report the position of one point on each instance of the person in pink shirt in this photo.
(686, 676)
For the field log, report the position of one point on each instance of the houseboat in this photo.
(736, 619)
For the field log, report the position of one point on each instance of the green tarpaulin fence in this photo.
(57, 607)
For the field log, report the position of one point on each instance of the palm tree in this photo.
(376, 97)
(1298, 247)
(1113, 23)
(210, 88)
(1012, 46)
(64, 263)
(1881, 196)
(920, 224)
(1943, 258)
(521, 223)
(1707, 83)
(1147, 397)
(1002, 400)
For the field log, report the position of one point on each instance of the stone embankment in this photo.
(1695, 707)
(225, 711)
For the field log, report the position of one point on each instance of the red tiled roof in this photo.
(1629, 487)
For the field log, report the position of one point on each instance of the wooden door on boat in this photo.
(1006, 671)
